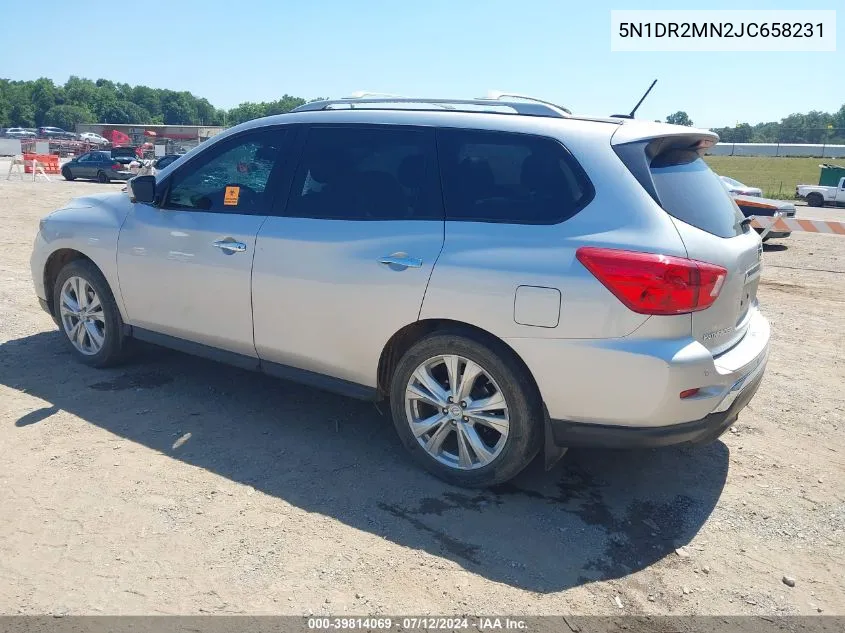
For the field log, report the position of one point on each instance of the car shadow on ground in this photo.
(597, 515)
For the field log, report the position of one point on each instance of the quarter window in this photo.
(366, 173)
(233, 178)
(507, 177)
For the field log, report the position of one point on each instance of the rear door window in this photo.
(690, 191)
(366, 173)
(511, 178)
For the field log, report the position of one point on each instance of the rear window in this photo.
(690, 191)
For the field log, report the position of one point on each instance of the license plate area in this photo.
(749, 291)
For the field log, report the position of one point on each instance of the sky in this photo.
(256, 50)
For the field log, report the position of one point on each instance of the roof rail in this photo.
(530, 107)
(495, 95)
(364, 94)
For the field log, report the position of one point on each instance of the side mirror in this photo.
(143, 189)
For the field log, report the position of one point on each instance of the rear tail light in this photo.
(654, 284)
(117, 166)
(689, 393)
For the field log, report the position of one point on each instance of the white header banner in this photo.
(764, 30)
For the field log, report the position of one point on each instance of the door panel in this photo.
(347, 263)
(185, 268)
(176, 281)
(83, 167)
(323, 302)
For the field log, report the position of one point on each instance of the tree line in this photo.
(815, 127)
(41, 102)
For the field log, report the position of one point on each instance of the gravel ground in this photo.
(179, 485)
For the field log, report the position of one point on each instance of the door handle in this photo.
(401, 259)
(230, 247)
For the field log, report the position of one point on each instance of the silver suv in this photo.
(511, 277)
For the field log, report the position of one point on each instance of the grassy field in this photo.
(776, 176)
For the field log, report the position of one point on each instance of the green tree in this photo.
(246, 112)
(67, 116)
(766, 132)
(283, 105)
(124, 112)
(742, 133)
(22, 114)
(679, 118)
(179, 108)
(205, 112)
(43, 97)
(148, 98)
(80, 92)
(5, 105)
(220, 117)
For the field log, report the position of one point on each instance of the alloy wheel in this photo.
(82, 316)
(457, 412)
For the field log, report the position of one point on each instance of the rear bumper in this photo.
(636, 382)
(703, 431)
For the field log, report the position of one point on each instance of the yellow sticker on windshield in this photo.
(230, 199)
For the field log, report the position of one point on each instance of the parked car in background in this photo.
(55, 132)
(19, 132)
(764, 207)
(164, 161)
(734, 186)
(479, 264)
(752, 206)
(820, 195)
(91, 137)
(100, 166)
(125, 154)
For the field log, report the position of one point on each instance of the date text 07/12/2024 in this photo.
(416, 623)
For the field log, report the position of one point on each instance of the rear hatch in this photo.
(668, 164)
(123, 155)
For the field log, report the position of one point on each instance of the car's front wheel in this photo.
(67, 173)
(88, 315)
(466, 410)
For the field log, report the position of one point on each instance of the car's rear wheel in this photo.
(88, 315)
(815, 200)
(68, 175)
(102, 177)
(467, 413)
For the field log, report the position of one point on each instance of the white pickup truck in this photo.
(819, 195)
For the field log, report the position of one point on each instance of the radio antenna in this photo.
(636, 107)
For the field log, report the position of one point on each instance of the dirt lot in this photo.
(178, 485)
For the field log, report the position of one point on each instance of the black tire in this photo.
(524, 407)
(815, 200)
(68, 175)
(102, 177)
(114, 339)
